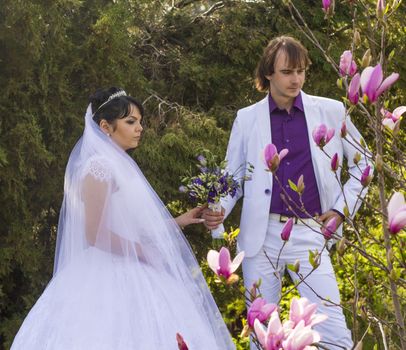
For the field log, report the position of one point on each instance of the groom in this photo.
(287, 117)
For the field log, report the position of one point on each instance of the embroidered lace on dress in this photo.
(99, 169)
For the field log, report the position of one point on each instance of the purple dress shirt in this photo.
(290, 131)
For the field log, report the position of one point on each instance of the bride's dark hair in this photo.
(117, 108)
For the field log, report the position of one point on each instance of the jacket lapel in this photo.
(264, 127)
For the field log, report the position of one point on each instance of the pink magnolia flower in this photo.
(271, 337)
(391, 120)
(322, 135)
(303, 310)
(260, 310)
(353, 89)
(335, 162)
(328, 229)
(272, 157)
(181, 343)
(328, 7)
(396, 213)
(371, 82)
(287, 229)
(221, 264)
(347, 64)
(300, 338)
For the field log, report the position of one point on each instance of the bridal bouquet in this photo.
(213, 181)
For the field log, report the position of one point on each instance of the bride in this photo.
(125, 278)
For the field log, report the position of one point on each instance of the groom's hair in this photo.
(296, 53)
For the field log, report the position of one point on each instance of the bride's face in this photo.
(127, 131)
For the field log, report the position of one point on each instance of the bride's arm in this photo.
(190, 217)
(95, 194)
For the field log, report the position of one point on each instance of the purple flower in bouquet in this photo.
(202, 160)
(197, 181)
(213, 181)
(211, 198)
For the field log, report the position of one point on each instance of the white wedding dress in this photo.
(125, 277)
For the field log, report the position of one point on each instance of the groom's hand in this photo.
(212, 219)
(324, 218)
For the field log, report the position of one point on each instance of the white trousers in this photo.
(321, 282)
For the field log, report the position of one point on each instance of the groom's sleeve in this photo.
(235, 157)
(236, 163)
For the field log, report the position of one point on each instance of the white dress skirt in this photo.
(75, 311)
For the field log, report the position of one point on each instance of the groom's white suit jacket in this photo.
(250, 134)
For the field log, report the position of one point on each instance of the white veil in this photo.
(118, 236)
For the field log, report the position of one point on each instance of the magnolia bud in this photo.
(357, 38)
(232, 279)
(379, 163)
(357, 158)
(343, 130)
(300, 185)
(366, 59)
(371, 279)
(380, 9)
(253, 292)
(297, 266)
(341, 246)
(346, 211)
(390, 255)
(393, 275)
(246, 331)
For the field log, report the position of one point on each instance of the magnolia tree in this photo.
(364, 74)
(372, 253)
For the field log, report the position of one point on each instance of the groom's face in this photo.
(286, 81)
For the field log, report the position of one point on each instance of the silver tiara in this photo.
(112, 96)
(117, 94)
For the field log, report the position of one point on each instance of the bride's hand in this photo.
(190, 217)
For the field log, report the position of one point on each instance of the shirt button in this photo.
(287, 186)
(287, 140)
(287, 163)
